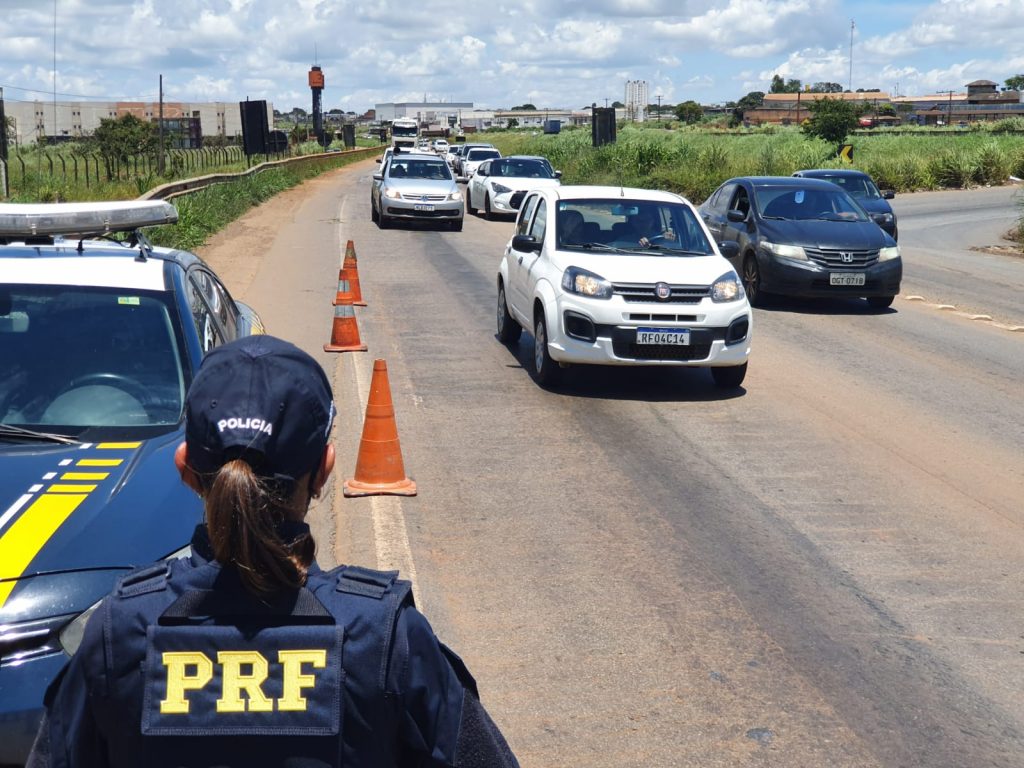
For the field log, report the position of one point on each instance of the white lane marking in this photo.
(49, 476)
(13, 510)
(64, 462)
(390, 534)
(35, 488)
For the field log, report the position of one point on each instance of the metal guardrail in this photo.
(185, 186)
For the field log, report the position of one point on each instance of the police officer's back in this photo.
(246, 653)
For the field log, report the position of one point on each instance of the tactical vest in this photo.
(223, 680)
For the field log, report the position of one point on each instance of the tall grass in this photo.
(209, 210)
(693, 161)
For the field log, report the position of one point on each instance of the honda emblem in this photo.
(846, 256)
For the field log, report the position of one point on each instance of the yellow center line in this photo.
(116, 446)
(99, 462)
(85, 476)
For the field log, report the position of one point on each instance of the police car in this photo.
(100, 335)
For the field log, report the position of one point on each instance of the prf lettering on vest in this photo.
(241, 672)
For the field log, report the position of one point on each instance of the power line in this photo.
(72, 95)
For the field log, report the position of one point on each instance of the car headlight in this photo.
(889, 253)
(456, 195)
(392, 194)
(785, 251)
(501, 189)
(584, 283)
(882, 218)
(71, 636)
(727, 288)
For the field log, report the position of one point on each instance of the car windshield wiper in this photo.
(21, 433)
(675, 251)
(598, 247)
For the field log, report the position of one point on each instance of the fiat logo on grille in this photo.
(662, 291)
(846, 256)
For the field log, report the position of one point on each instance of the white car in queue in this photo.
(495, 181)
(416, 186)
(618, 276)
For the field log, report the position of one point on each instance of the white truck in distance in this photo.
(404, 132)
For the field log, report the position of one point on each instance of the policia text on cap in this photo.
(246, 653)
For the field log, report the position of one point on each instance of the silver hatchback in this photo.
(416, 187)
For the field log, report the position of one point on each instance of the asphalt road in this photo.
(825, 569)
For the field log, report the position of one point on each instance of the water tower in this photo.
(316, 85)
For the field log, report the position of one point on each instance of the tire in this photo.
(751, 278)
(374, 216)
(382, 221)
(456, 225)
(487, 207)
(509, 330)
(880, 302)
(469, 202)
(729, 378)
(545, 370)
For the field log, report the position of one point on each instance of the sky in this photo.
(496, 53)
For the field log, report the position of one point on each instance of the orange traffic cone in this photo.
(351, 266)
(379, 467)
(345, 330)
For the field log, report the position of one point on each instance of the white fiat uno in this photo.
(618, 276)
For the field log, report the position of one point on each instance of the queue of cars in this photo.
(99, 340)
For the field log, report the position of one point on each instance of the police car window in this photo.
(225, 306)
(203, 316)
(523, 226)
(540, 221)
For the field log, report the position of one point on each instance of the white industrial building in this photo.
(65, 120)
(425, 112)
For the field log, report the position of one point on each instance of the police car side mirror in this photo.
(378, 177)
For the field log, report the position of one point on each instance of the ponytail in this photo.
(242, 515)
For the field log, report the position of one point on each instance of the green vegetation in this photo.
(693, 161)
(209, 210)
(831, 119)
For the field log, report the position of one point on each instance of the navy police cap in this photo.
(264, 400)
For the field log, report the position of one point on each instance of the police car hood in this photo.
(81, 507)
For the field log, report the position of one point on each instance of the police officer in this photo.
(246, 653)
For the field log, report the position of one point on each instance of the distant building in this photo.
(982, 102)
(791, 108)
(186, 122)
(636, 100)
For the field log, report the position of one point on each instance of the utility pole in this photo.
(160, 131)
(949, 107)
(659, 107)
(852, 25)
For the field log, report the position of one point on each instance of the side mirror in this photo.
(378, 177)
(736, 215)
(558, 174)
(730, 249)
(377, 160)
(525, 243)
(461, 180)
(888, 194)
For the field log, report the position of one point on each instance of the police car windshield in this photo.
(82, 359)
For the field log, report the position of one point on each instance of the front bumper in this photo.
(807, 278)
(21, 703)
(408, 209)
(604, 332)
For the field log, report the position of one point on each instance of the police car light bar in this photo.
(32, 219)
